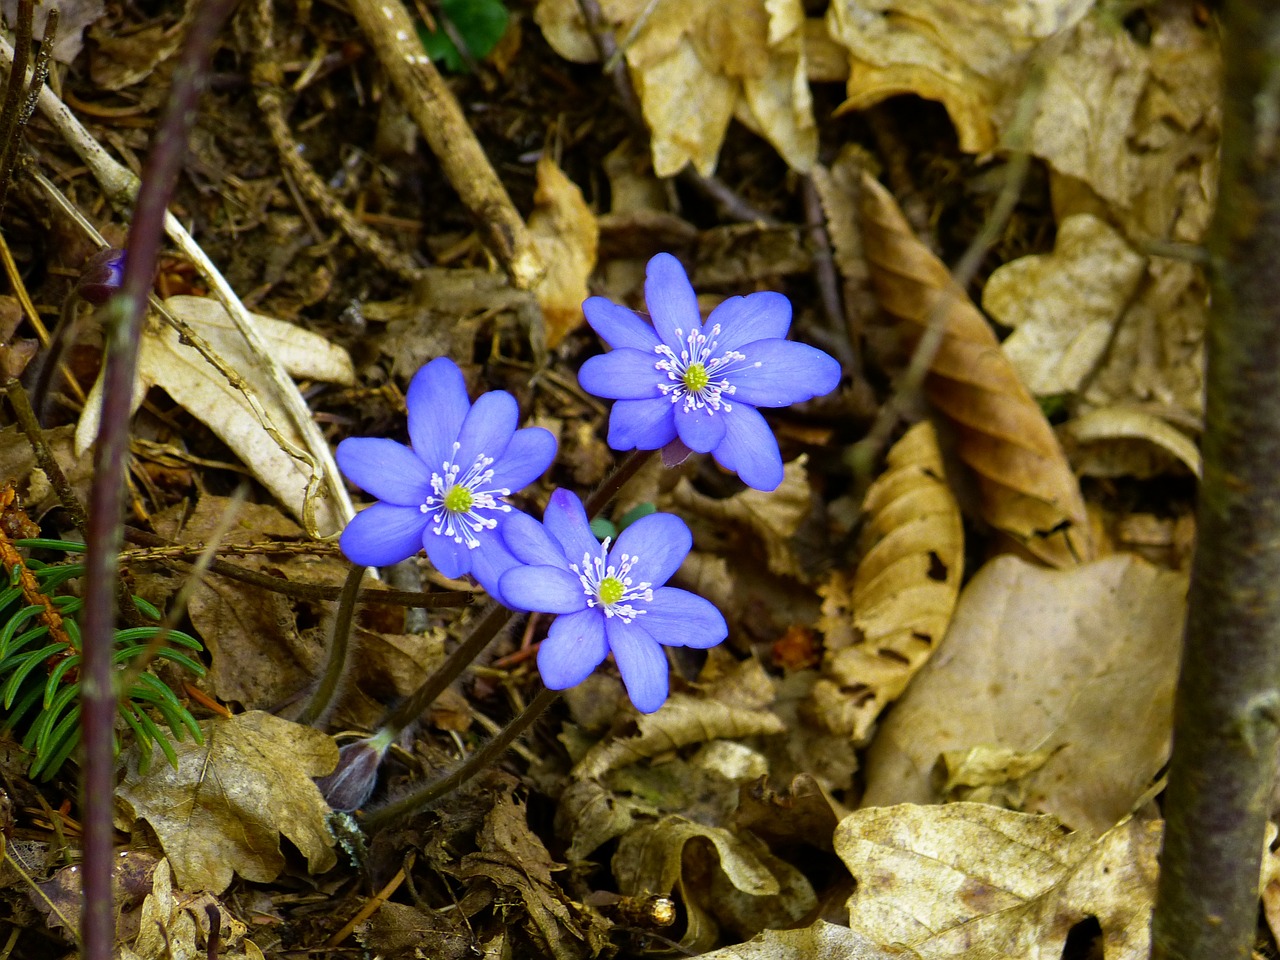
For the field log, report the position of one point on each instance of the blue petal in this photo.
(526, 458)
(700, 429)
(671, 301)
(757, 316)
(383, 534)
(642, 424)
(750, 449)
(566, 519)
(574, 646)
(388, 470)
(679, 618)
(544, 589)
(659, 543)
(622, 375)
(490, 561)
(641, 662)
(780, 372)
(437, 402)
(618, 326)
(447, 555)
(529, 541)
(488, 428)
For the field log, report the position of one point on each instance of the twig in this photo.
(431, 103)
(124, 316)
(44, 456)
(268, 81)
(339, 641)
(824, 271)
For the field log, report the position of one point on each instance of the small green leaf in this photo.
(480, 23)
(603, 529)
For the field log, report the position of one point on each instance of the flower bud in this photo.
(102, 276)
(352, 781)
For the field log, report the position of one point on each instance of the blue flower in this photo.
(701, 382)
(448, 493)
(609, 599)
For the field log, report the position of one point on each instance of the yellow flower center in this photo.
(696, 377)
(458, 499)
(611, 590)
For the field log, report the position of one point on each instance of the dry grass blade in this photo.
(1027, 487)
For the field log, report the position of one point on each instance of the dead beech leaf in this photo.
(195, 385)
(683, 720)
(566, 235)
(774, 517)
(1064, 305)
(1077, 663)
(820, 941)
(696, 65)
(883, 627)
(223, 810)
(1026, 484)
(966, 880)
(965, 54)
(176, 926)
(1123, 441)
(656, 858)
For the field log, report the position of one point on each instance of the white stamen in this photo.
(463, 525)
(596, 568)
(698, 348)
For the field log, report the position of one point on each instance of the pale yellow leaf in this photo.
(1079, 663)
(1120, 441)
(821, 941)
(967, 880)
(222, 811)
(1064, 306)
(883, 625)
(566, 235)
(165, 362)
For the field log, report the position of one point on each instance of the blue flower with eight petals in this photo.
(701, 382)
(609, 599)
(448, 493)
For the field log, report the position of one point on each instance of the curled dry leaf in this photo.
(883, 627)
(1026, 484)
(1076, 664)
(747, 885)
(175, 924)
(165, 362)
(566, 235)
(820, 941)
(696, 65)
(222, 811)
(1125, 441)
(1064, 305)
(965, 880)
(682, 721)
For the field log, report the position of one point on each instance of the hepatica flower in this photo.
(679, 377)
(610, 598)
(448, 493)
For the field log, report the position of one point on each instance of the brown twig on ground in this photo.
(431, 103)
(268, 84)
(824, 272)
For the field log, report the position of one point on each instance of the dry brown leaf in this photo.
(883, 627)
(963, 53)
(566, 235)
(774, 516)
(1080, 664)
(821, 941)
(966, 880)
(1026, 484)
(696, 65)
(682, 721)
(163, 361)
(176, 926)
(748, 889)
(1123, 441)
(222, 811)
(1064, 306)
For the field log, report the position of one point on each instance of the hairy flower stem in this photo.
(631, 464)
(123, 327)
(339, 642)
(423, 795)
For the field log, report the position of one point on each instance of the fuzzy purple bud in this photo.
(102, 276)
(352, 781)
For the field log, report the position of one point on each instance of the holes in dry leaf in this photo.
(937, 569)
(893, 655)
(1084, 940)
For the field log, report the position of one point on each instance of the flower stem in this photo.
(615, 481)
(338, 645)
(427, 793)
